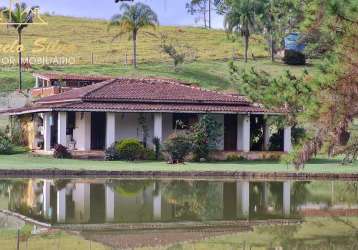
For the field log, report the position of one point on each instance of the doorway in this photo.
(230, 132)
(98, 131)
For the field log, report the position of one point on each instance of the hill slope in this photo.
(78, 37)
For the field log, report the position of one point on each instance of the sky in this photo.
(170, 12)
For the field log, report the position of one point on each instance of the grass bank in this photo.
(29, 162)
(208, 74)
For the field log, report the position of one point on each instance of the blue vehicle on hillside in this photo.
(294, 50)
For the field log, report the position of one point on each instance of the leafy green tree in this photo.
(169, 48)
(325, 103)
(240, 18)
(19, 18)
(206, 134)
(132, 19)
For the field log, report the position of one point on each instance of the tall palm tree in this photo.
(132, 19)
(19, 18)
(240, 18)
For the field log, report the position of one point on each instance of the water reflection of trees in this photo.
(129, 188)
(194, 200)
(23, 196)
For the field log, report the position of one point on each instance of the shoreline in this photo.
(205, 175)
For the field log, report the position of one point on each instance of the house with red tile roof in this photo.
(93, 117)
(47, 84)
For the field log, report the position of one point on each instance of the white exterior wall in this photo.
(158, 126)
(82, 132)
(47, 119)
(61, 128)
(127, 126)
(243, 133)
(110, 129)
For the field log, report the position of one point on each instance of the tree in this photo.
(203, 8)
(240, 17)
(275, 18)
(327, 102)
(19, 18)
(132, 19)
(205, 134)
(169, 48)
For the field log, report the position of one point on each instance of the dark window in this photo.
(184, 121)
(71, 122)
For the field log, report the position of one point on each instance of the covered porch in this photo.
(87, 133)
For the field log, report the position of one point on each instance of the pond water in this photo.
(120, 201)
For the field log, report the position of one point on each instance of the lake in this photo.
(232, 214)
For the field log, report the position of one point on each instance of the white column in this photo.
(158, 126)
(157, 206)
(109, 197)
(286, 198)
(243, 133)
(82, 132)
(110, 129)
(81, 196)
(267, 136)
(46, 191)
(37, 82)
(61, 128)
(47, 131)
(266, 193)
(243, 198)
(287, 143)
(61, 205)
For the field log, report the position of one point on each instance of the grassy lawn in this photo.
(27, 161)
(314, 233)
(45, 241)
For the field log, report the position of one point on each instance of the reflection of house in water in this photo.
(146, 201)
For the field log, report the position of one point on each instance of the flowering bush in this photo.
(178, 147)
(61, 152)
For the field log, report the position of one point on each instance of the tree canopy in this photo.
(324, 103)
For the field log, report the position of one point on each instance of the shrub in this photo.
(235, 157)
(6, 146)
(111, 153)
(148, 154)
(205, 135)
(61, 152)
(178, 147)
(156, 142)
(130, 149)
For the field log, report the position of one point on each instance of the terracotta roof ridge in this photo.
(183, 84)
(172, 81)
(102, 84)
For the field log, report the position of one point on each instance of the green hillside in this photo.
(208, 53)
(78, 37)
